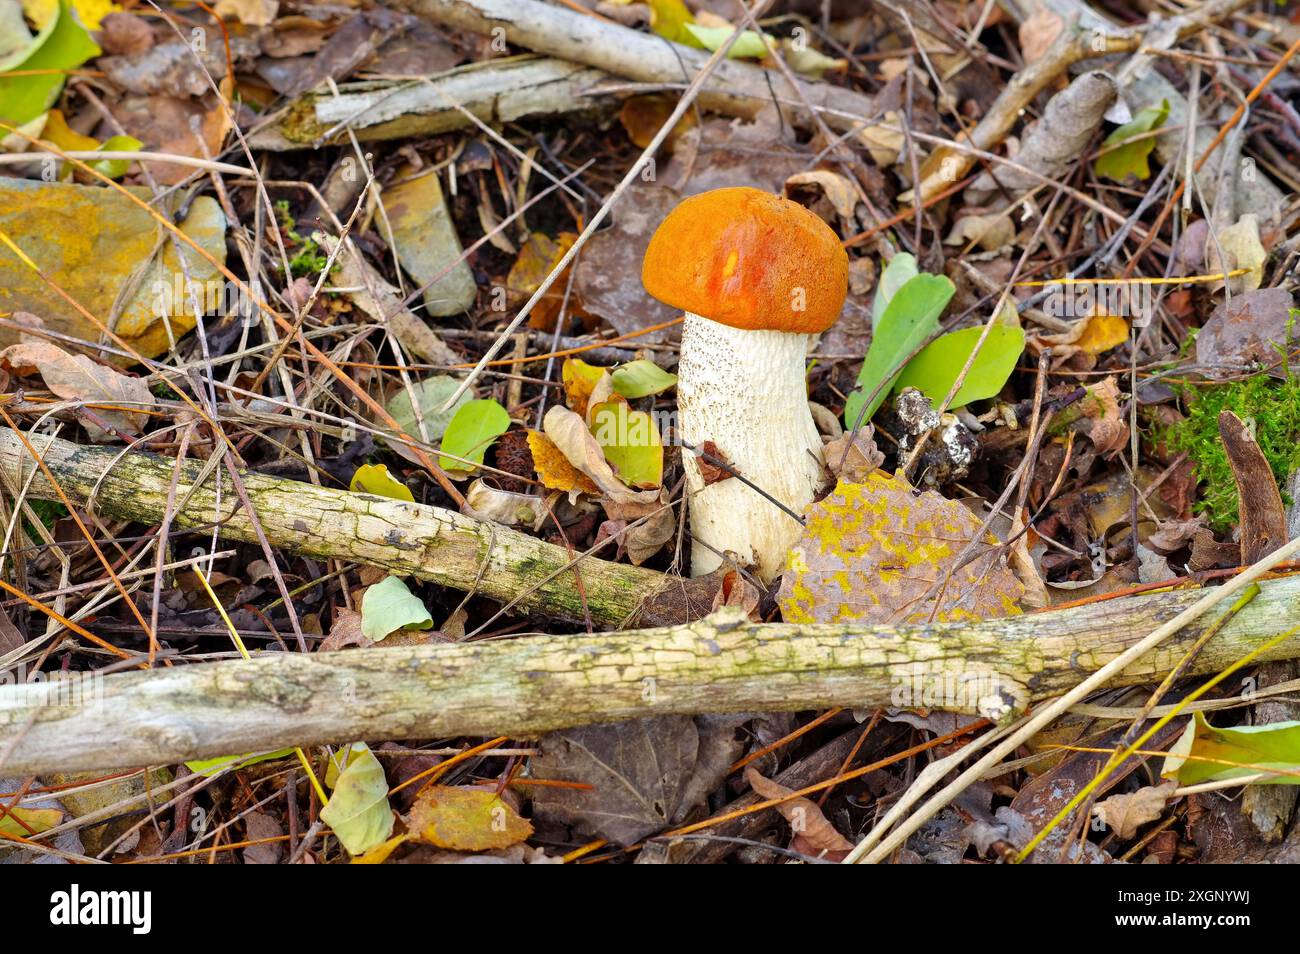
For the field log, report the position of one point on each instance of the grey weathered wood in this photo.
(523, 687)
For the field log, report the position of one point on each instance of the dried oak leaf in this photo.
(872, 551)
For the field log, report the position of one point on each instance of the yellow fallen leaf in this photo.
(465, 819)
(375, 479)
(35, 820)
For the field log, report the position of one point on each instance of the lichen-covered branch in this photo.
(529, 685)
(430, 543)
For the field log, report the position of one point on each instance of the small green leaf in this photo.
(375, 479)
(429, 395)
(749, 45)
(911, 317)
(62, 45)
(641, 378)
(358, 812)
(210, 767)
(1131, 158)
(900, 270)
(116, 168)
(631, 443)
(1200, 753)
(934, 370)
(473, 429)
(389, 606)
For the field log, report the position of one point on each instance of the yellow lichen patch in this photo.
(881, 552)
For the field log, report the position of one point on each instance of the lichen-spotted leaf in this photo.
(872, 551)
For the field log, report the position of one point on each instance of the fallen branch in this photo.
(526, 686)
(429, 543)
(497, 91)
(735, 88)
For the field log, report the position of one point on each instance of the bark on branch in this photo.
(430, 543)
(735, 88)
(529, 685)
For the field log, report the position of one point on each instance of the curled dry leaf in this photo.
(1125, 814)
(124, 399)
(738, 592)
(1106, 427)
(854, 462)
(872, 551)
(813, 834)
(1242, 249)
(502, 506)
(834, 186)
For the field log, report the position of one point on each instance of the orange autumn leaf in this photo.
(554, 469)
(465, 819)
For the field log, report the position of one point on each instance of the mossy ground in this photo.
(1275, 408)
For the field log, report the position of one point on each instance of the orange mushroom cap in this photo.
(749, 259)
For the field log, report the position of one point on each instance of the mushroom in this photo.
(758, 277)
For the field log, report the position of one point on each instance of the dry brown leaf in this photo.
(862, 458)
(77, 378)
(871, 551)
(813, 834)
(1106, 427)
(1125, 814)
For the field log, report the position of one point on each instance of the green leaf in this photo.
(911, 317)
(1131, 158)
(210, 767)
(429, 395)
(389, 606)
(358, 812)
(116, 168)
(375, 479)
(473, 429)
(1199, 755)
(62, 45)
(900, 270)
(641, 378)
(934, 370)
(631, 443)
(749, 45)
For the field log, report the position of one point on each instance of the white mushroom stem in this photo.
(745, 392)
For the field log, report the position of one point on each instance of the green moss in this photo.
(1274, 406)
